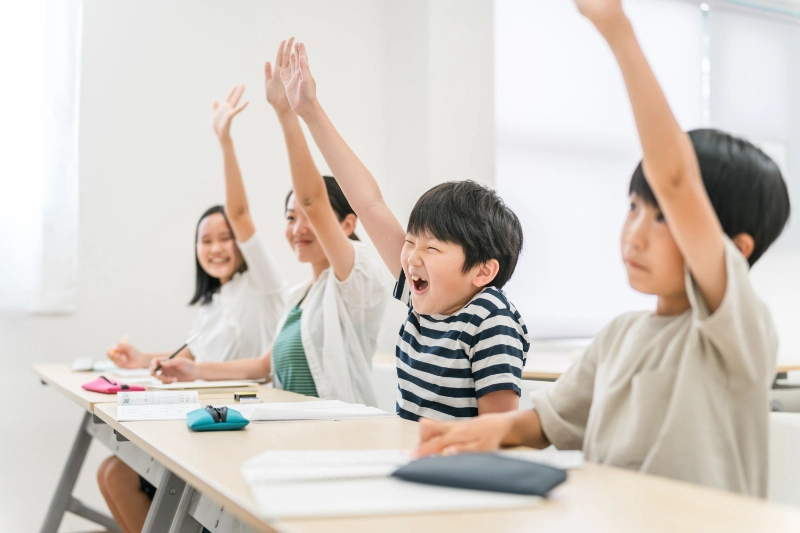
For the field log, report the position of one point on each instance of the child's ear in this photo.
(745, 243)
(349, 224)
(484, 274)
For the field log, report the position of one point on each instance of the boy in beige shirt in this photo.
(683, 391)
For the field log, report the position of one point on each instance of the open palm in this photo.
(301, 89)
(276, 93)
(223, 113)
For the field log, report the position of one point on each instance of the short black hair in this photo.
(205, 285)
(474, 217)
(744, 184)
(338, 201)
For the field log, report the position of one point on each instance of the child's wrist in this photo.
(311, 112)
(615, 29)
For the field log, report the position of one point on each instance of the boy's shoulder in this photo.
(491, 312)
(490, 301)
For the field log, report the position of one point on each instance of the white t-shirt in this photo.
(240, 320)
(339, 327)
(686, 396)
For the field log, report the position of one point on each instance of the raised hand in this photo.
(224, 112)
(276, 93)
(301, 89)
(602, 13)
(125, 355)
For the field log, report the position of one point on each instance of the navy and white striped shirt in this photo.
(446, 362)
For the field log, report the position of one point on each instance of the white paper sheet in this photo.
(322, 410)
(155, 405)
(200, 384)
(310, 483)
(169, 411)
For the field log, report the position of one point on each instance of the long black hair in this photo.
(338, 201)
(206, 285)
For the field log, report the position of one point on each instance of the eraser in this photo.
(250, 399)
(239, 395)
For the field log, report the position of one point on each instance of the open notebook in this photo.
(318, 483)
(155, 405)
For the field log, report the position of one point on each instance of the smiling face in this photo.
(300, 235)
(653, 261)
(434, 270)
(216, 248)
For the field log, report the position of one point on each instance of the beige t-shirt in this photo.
(686, 397)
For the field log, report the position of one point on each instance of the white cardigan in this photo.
(339, 328)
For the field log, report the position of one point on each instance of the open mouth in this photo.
(218, 261)
(419, 284)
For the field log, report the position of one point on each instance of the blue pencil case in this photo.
(215, 419)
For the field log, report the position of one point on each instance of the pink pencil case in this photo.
(107, 386)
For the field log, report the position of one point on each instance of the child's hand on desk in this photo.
(484, 433)
(175, 369)
(301, 89)
(224, 112)
(276, 92)
(125, 355)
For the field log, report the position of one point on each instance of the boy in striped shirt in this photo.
(463, 345)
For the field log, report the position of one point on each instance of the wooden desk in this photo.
(595, 498)
(68, 383)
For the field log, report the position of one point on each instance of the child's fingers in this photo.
(279, 57)
(430, 428)
(287, 51)
(239, 109)
(237, 95)
(231, 93)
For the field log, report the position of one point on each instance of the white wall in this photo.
(399, 80)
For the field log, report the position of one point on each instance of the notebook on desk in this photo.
(328, 483)
(155, 405)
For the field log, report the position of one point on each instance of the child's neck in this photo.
(319, 267)
(672, 304)
(461, 303)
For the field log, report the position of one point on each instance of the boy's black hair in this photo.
(338, 201)
(744, 184)
(474, 217)
(205, 285)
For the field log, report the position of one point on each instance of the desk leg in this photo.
(165, 503)
(63, 500)
(183, 522)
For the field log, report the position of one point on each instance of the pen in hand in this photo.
(193, 337)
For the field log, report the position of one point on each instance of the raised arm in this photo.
(235, 197)
(307, 182)
(670, 163)
(358, 184)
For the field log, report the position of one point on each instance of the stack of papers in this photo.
(318, 483)
(155, 405)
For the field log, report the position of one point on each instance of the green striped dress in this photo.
(289, 357)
